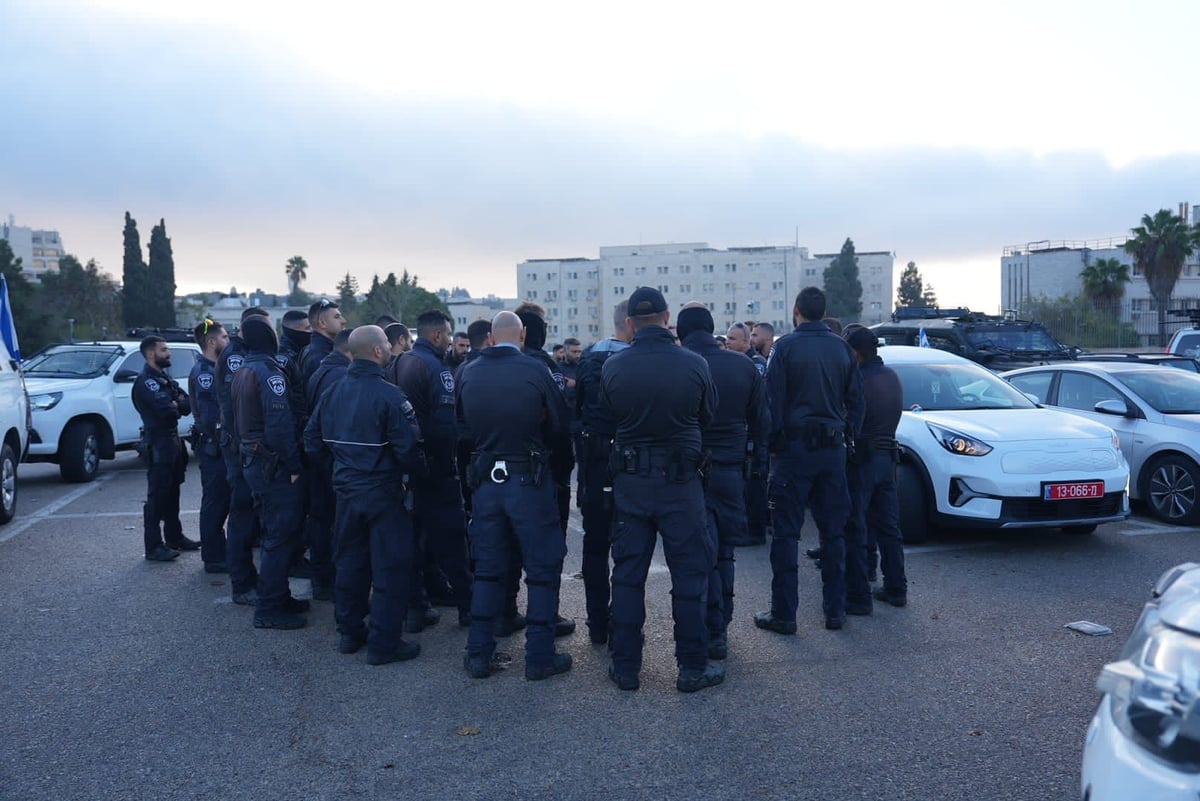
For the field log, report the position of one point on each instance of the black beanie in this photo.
(259, 335)
(535, 330)
(693, 319)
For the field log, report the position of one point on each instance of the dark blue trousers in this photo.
(757, 516)
(597, 513)
(499, 512)
(648, 505)
(373, 553)
(280, 506)
(214, 505)
(441, 525)
(802, 478)
(874, 516)
(724, 503)
(240, 525)
(322, 506)
(160, 513)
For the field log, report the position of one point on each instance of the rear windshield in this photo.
(1013, 339)
(1187, 345)
(72, 361)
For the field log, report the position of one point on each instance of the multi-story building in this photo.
(465, 309)
(744, 283)
(38, 250)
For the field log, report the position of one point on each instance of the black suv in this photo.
(996, 342)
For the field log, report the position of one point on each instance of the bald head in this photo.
(370, 343)
(694, 304)
(507, 329)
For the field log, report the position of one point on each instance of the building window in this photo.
(552, 295)
(663, 288)
(777, 304)
(530, 276)
(533, 294)
(731, 268)
(640, 271)
(685, 287)
(685, 269)
(618, 270)
(810, 272)
(618, 290)
(776, 285)
(730, 307)
(572, 294)
(551, 276)
(752, 285)
(662, 269)
(707, 288)
(708, 268)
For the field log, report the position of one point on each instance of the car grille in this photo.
(1019, 509)
(1029, 463)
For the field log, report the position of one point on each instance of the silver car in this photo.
(1154, 409)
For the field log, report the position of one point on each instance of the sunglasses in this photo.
(326, 303)
(208, 324)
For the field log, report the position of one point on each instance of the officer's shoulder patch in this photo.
(235, 363)
(277, 384)
(152, 385)
(448, 380)
(281, 359)
(761, 367)
(559, 380)
(205, 380)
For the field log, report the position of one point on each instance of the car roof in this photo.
(124, 343)
(910, 354)
(1095, 367)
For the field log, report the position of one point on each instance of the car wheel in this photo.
(79, 452)
(1173, 490)
(1086, 529)
(8, 483)
(914, 504)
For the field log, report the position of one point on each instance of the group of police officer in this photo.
(379, 454)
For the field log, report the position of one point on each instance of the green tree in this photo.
(843, 290)
(399, 297)
(1159, 247)
(929, 297)
(911, 292)
(347, 290)
(134, 278)
(1104, 281)
(84, 294)
(297, 272)
(1077, 321)
(160, 294)
(29, 315)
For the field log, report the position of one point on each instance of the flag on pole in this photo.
(8, 326)
(924, 342)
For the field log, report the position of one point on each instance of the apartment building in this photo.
(37, 249)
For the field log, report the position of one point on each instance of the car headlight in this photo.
(40, 403)
(957, 443)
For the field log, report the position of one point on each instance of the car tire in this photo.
(79, 453)
(1172, 490)
(1084, 529)
(8, 483)
(914, 504)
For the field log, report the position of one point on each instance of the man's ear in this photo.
(522, 340)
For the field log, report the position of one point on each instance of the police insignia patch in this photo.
(558, 379)
(205, 380)
(281, 359)
(235, 363)
(152, 385)
(448, 381)
(277, 384)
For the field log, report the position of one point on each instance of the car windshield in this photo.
(957, 387)
(1014, 338)
(1166, 391)
(72, 362)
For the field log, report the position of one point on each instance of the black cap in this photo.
(259, 335)
(693, 319)
(863, 339)
(646, 300)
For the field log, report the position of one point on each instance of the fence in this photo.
(1128, 324)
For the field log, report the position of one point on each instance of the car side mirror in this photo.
(125, 377)
(1113, 407)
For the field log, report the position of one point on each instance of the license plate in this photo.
(1075, 490)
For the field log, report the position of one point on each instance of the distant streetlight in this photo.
(71, 323)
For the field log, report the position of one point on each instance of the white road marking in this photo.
(913, 550)
(1149, 528)
(19, 527)
(78, 515)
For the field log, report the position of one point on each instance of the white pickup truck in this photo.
(82, 409)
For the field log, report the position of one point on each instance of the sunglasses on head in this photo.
(208, 324)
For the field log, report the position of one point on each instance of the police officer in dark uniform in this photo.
(509, 403)
(480, 335)
(599, 427)
(369, 430)
(815, 397)
(661, 396)
(439, 519)
(270, 453)
(875, 506)
(738, 339)
(206, 411)
(242, 525)
(326, 320)
(737, 422)
(161, 402)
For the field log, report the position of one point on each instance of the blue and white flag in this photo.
(8, 327)
(924, 342)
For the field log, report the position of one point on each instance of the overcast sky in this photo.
(456, 140)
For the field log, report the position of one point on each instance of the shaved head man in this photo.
(370, 343)
(507, 329)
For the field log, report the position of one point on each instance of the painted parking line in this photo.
(138, 513)
(18, 527)
(917, 550)
(1147, 528)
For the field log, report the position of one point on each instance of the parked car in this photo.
(1168, 359)
(1156, 412)
(14, 431)
(977, 453)
(82, 409)
(1186, 341)
(1144, 740)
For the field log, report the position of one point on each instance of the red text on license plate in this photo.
(1073, 491)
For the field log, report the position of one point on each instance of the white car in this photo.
(1144, 740)
(977, 453)
(82, 406)
(1154, 409)
(14, 431)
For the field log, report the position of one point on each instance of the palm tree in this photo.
(1159, 247)
(1104, 282)
(297, 271)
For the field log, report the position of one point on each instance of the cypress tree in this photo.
(843, 290)
(160, 301)
(134, 278)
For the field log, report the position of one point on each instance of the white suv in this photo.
(82, 409)
(14, 431)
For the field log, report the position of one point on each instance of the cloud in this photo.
(250, 163)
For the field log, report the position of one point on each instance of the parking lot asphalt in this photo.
(122, 679)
